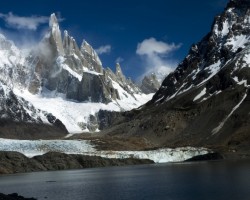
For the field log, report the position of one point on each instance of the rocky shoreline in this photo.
(14, 162)
(13, 196)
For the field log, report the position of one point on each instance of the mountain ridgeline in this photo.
(59, 86)
(205, 101)
(63, 67)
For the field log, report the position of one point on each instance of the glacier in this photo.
(31, 148)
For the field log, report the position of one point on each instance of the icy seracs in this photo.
(38, 147)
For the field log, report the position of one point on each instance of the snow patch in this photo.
(218, 128)
(86, 70)
(247, 59)
(201, 94)
(238, 41)
(60, 61)
(225, 29)
(213, 69)
(128, 101)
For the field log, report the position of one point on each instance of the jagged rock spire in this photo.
(93, 61)
(55, 34)
(69, 44)
(53, 22)
(87, 48)
(118, 72)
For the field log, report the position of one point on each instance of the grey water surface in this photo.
(178, 181)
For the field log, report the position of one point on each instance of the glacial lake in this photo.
(228, 180)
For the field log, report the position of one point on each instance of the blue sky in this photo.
(142, 35)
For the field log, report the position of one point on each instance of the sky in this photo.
(144, 36)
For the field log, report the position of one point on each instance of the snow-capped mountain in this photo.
(226, 46)
(205, 101)
(77, 73)
(67, 81)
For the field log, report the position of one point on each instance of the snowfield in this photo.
(72, 113)
(32, 148)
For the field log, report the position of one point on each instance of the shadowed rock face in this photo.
(93, 89)
(205, 101)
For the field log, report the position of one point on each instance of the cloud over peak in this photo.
(26, 22)
(119, 60)
(105, 49)
(155, 55)
(152, 46)
(19, 22)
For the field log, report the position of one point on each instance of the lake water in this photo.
(181, 181)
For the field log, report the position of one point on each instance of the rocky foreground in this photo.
(14, 162)
(13, 196)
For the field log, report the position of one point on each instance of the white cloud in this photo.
(119, 60)
(19, 22)
(103, 49)
(152, 46)
(155, 56)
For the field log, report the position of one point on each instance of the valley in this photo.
(59, 97)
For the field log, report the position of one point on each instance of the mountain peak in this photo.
(118, 72)
(55, 34)
(118, 68)
(88, 50)
(53, 20)
(66, 34)
(70, 46)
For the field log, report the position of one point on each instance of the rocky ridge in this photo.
(205, 101)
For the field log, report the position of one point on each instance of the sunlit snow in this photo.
(219, 127)
(72, 113)
(238, 41)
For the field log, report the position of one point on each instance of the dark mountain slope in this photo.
(205, 101)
